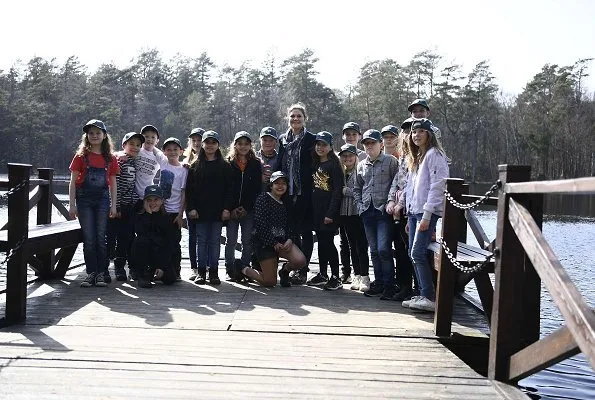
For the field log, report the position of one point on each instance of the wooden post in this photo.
(445, 288)
(507, 313)
(18, 224)
(44, 216)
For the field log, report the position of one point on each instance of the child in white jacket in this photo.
(423, 201)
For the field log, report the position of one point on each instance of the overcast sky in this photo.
(516, 37)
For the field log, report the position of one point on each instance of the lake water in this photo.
(570, 238)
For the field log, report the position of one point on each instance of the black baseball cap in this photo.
(352, 125)
(421, 102)
(131, 135)
(96, 123)
(423, 123)
(324, 136)
(196, 132)
(390, 129)
(172, 140)
(269, 131)
(348, 148)
(242, 134)
(372, 134)
(153, 190)
(277, 175)
(210, 135)
(407, 123)
(149, 128)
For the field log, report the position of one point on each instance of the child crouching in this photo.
(151, 250)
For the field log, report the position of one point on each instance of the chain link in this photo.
(463, 268)
(15, 189)
(13, 251)
(475, 203)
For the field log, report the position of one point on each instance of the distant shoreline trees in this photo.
(550, 124)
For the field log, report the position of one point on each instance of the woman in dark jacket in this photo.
(295, 155)
(246, 178)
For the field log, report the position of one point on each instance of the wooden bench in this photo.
(467, 255)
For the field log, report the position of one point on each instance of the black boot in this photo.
(201, 276)
(214, 276)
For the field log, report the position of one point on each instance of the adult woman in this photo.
(295, 155)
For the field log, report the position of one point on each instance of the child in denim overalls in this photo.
(92, 183)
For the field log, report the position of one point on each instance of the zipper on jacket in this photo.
(241, 188)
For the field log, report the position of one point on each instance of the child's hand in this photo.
(158, 274)
(423, 225)
(390, 207)
(179, 220)
(344, 190)
(327, 221)
(287, 245)
(113, 212)
(121, 156)
(146, 207)
(193, 214)
(72, 212)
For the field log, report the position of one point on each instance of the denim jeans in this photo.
(192, 254)
(379, 226)
(208, 236)
(93, 212)
(247, 226)
(418, 251)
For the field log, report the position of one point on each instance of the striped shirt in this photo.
(125, 183)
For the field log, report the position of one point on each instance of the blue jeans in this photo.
(208, 236)
(418, 251)
(247, 225)
(192, 242)
(379, 226)
(93, 212)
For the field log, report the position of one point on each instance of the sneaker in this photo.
(121, 274)
(178, 277)
(284, 277)
(237, 274)
(402, 295)
(345, 278)
(407, 303)
(356, 282)
(423, 304)
(100, 280)
(374, 290)
(107, 278)
(89, 280)
(201, 277)
(193, 274)
(317, 280)
(132, 274)
(214, 276)
(333, 284)
(299, 277)
(388, 293)
(143, 283)
(364, 283)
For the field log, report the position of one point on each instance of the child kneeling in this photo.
(272, 237)
(151, 250)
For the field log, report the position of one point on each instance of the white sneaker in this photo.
(407, 303)
(356, 282)
(423, 304)
(364, 283)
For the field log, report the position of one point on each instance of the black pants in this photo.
(176, 251)
(120, 234)
(146, 257)
(327, 252)
(302, 226)
(344, 253)
(357, 243)
(404, 267)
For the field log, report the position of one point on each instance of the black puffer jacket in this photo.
(246, 184)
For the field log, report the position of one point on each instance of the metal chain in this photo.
(15, 189)
(463, 268)
(475, 203)
(13, 251)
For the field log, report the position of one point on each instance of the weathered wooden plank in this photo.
(568, 186)
(573, 307)
(477, 229)
(557, 346)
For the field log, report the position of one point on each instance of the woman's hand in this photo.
(72, 212)
(423, 225)
(192, 214)
(327, 221)
(158, 274)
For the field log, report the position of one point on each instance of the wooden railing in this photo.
(34, 246)
(523, 260)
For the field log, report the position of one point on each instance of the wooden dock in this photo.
(230, 341)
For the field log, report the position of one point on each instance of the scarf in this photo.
(292, 164)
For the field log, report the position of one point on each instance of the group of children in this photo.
(295, 184)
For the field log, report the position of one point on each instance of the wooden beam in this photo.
(477, 229)
(575, 186)
(58, 204)
(34, 197)
(485, 290)
(557, 346)
(573, 307)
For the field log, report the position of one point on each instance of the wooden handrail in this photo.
(568, 186)
(34, 196)
(4, 184)
(490, 201)
(557, 346)
(573, 307)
